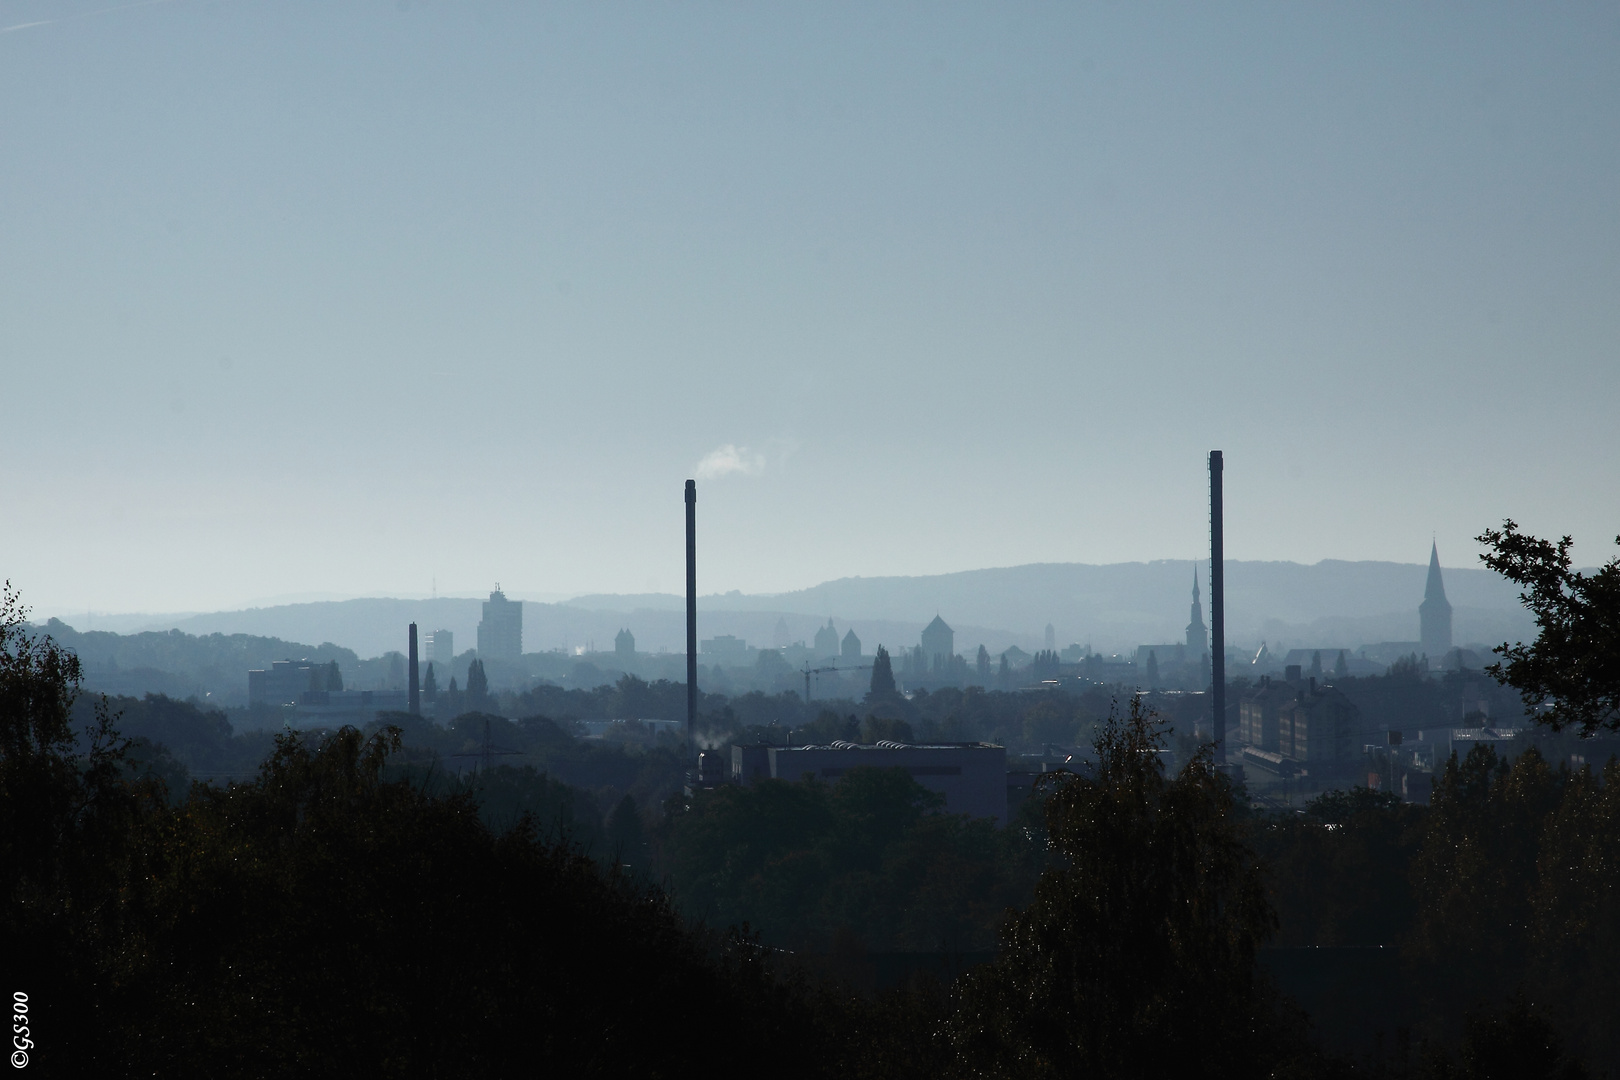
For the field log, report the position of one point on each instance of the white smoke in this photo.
(730, 460)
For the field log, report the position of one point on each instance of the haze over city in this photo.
(401, 297)
(865, 541)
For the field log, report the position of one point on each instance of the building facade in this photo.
(971, 776)
(282, 683)
(441, 648)
(500, 631)
(1323, 724)
(724, 650)
(1258, 715)
(1299, 719)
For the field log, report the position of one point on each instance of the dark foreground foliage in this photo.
(342, 915)
(1494, 909)
(1570, 675)
(864, 864)
(324, 920)
(1137, 957)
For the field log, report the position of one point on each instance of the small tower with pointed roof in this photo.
(938, 641)
(1434, 614)
(851, 648)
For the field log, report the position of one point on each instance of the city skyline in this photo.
(308, 301)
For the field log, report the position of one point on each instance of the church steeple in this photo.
(1434, 614)
(1197, 632)
(1435, 589)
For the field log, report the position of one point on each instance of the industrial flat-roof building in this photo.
(283, 683)
(971, 776)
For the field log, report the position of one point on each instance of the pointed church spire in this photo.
(1197, 632)
(1435, 589)
(1434, 614)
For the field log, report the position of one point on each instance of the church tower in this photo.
(1197, 632)
(1434, 614)
(827, 640)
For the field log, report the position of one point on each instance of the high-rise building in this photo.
(624, 646)
(1434, 614)
(441, 648)
(1051, 638)
(500, 631)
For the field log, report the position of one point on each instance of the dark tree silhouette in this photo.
(1137, 957)
(626, 834)
(66, 817)
(1570, 675)
(476, 697)
(1513, 1043)
(882, 677)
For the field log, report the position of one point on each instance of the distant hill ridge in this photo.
(1114, 606)
(180, 664)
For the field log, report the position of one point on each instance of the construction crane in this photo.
(809, 671)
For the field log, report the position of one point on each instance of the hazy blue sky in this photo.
(302, 298)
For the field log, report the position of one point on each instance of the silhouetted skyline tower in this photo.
(415, 683)
(1434, 614)
(938, 644)
(850, 647)
(1217, 609)
(827, 640)
(1197, 632)
(500, 631)
(691, 612)
(441, 649)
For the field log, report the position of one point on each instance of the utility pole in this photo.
(1217, 608)
(691, 614)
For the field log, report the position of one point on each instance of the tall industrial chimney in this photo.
(1217, 608)
(691, 613)
(416, 684)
